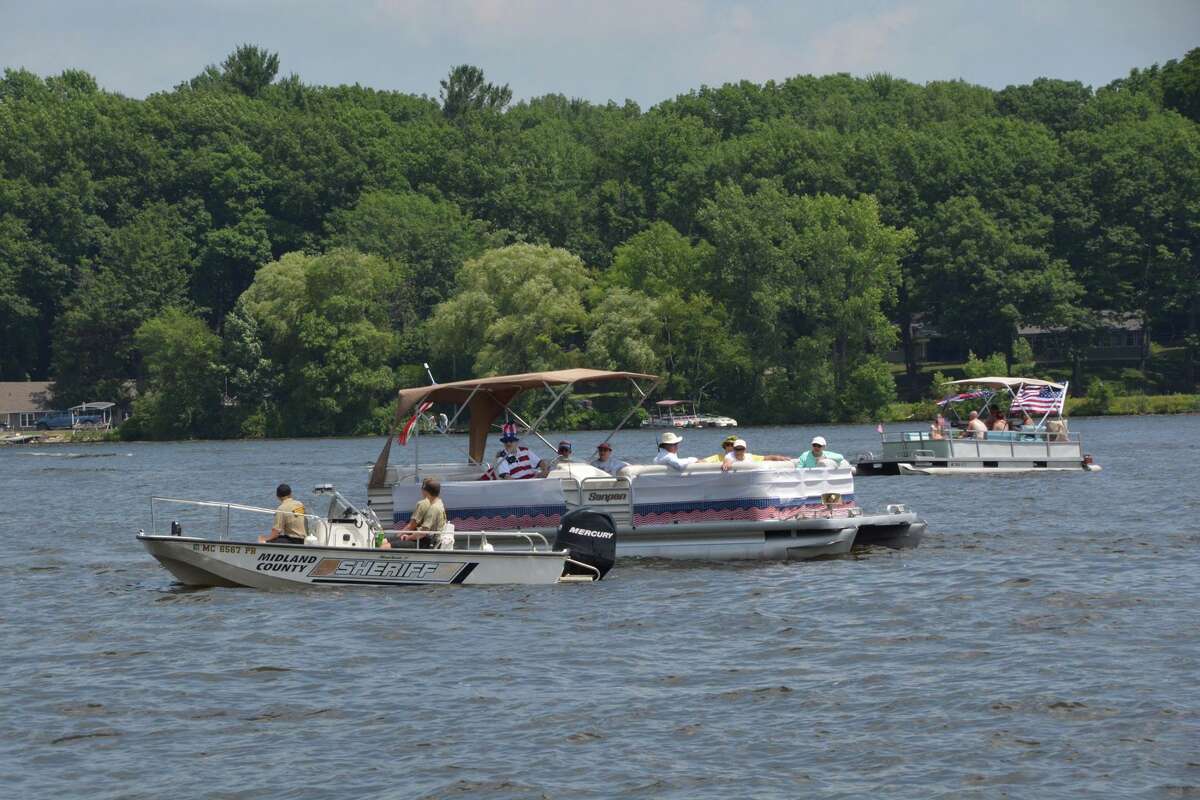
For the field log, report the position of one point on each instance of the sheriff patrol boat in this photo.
(759, 510)
(340, 550)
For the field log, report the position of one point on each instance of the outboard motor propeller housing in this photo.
(590, 537)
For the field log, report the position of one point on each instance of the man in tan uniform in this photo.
(289, 519)
(427, 522)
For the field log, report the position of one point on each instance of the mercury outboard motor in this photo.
(590, 537)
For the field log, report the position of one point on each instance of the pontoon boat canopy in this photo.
(669, 402)
(487, 399)
(1010, 383)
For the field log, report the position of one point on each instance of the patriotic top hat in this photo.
(508, 433)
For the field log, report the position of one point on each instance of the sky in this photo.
(598, 50)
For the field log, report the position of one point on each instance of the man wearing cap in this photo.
(726, 447)
(604, 460)
(668, 452)
(564, 454)
(517, 462)
(818, 456)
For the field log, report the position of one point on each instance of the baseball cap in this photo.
(819, 440)
(739, 443)
(564, 443)
(604, 446)
(730, 439)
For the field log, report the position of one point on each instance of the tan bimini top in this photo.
(486, 398)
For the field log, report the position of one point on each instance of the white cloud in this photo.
(863, 43)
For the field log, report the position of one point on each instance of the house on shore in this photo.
(1119, 337)
(23, 403)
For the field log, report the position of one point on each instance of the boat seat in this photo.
(577, 470)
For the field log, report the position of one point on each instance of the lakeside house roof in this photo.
(1109, 320)
(24, 396)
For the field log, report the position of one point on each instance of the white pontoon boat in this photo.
(215, 544)
(758, 510)
(1037, 439)
(671, 414)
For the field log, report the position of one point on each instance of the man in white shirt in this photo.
(668, 452)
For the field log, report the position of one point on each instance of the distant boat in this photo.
(1033, 438)
(685, 414)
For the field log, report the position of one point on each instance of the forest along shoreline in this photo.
(249, 255)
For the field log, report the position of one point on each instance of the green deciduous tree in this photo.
(465, 90)
(520, 309)
(182, 396)
(325, 322)
(142, 269)
(434, 238)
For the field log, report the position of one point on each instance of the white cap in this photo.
(819, 440)
(739, 443)
(670, 437)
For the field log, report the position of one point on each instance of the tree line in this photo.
(252, 255)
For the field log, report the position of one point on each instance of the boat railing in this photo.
(958, 435)
(535, 540)
(1036, 445)
(215, 520)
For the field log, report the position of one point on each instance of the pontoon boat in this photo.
(1036, 439)
(760, 510)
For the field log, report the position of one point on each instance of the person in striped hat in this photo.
(517, 462)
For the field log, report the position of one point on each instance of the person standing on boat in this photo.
(604, 460)
(427, 523)
(517, 462)
(289, 519)
(668, 452)
(818, 456)
(726, 447)
(976, 429)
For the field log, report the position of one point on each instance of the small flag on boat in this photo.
(408, 426)
(978, 394)
(1039, 399)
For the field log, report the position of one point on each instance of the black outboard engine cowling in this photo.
(590, 537)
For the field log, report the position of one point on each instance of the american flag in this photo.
(1039, 399)
(978, 394)
(408, 426)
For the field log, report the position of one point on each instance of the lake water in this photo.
(1041, 642)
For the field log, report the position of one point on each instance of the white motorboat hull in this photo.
(209, 562)
(916, 469)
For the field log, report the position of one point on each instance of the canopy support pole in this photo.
(633, 409)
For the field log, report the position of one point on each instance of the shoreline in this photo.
(896, 414)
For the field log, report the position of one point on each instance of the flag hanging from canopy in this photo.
(1039, 399)
(978, 394)
(408, 426)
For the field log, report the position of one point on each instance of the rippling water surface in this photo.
(1042, 642)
